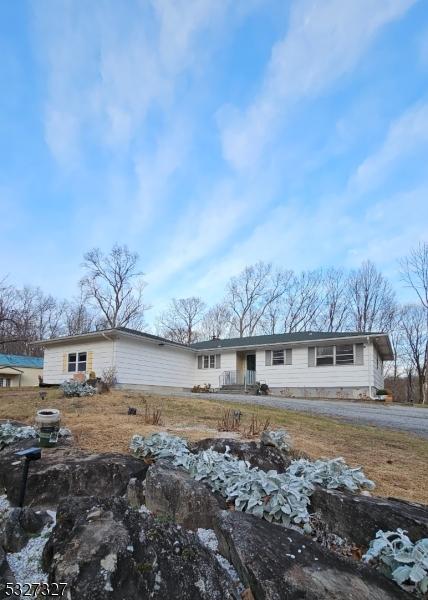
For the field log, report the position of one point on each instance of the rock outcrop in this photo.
(6, 575)
(278, 563)
(65, 471)
(258, 455)
(18, 524)
(357, 518)
(173, 493)
(104, 549)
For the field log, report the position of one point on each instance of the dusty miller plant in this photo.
(10, 433)
(400, 559)
(72, 389)
(279, 497)
(158, 445)
(280, 439)
(331, 474)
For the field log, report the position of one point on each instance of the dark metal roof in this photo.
(150, 336)
(381, 339)
(277, 338)
(108, 332)
(16, 360)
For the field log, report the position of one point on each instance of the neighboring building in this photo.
(20, 371)
(310, 364)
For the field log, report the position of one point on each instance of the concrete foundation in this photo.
(337, 393)
(158, 389)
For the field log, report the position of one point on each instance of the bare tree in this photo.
(335, 308)
(414, 272)
(216, 322)
(78, 318)
(272, 321)
(30, 316)
(250, 293)
(114, 286)
(7, 308)
(302, 301)
(371, 300)
(415, 342)
(178, 323)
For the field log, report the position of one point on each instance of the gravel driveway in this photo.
(403, 418)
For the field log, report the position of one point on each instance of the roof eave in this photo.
(292, 343)
(110, 334)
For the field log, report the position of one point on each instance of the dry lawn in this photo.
(397, 462)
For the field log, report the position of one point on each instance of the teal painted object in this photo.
(16, 360)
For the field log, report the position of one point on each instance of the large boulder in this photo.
(277, 563)
(18, 524)
(64, 471)
(357, 518)
(6, 575)
(171, 492)
(258, 455)
(103, 549)
(135, 492)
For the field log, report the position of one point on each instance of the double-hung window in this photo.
(325, 355)
(77, 362)
(278, 357)
(335, 355)
(4, 382)
(345, 354)
(209, 361)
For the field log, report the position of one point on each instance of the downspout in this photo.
(113, 341)
(369, 360)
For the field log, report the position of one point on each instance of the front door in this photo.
(251, 362)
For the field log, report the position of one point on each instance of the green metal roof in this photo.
(277, 338)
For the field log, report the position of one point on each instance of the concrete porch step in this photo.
(236, 388)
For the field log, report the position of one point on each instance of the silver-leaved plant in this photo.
(278, 497)
(400, 559)
(10, 433)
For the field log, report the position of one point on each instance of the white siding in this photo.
(298, 374)
(145, 363)
(377, 370)
(212, 376)
(53, 365)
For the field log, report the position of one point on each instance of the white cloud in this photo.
(406, 135)
(324, 41)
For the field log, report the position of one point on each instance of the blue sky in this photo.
(209, 135)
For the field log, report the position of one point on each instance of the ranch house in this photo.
(306, 364)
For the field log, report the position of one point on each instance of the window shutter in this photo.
(199, 362)
(359, 354)
(288, 356)
(268, 358)
(311, 356)
(64, 363)
(218, 361)
(90, 362)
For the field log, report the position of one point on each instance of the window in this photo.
(345, 355)
(209, 361)
(335, 355)
(278, 357)
(4, 382)
(325, 355)
(77, 362)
